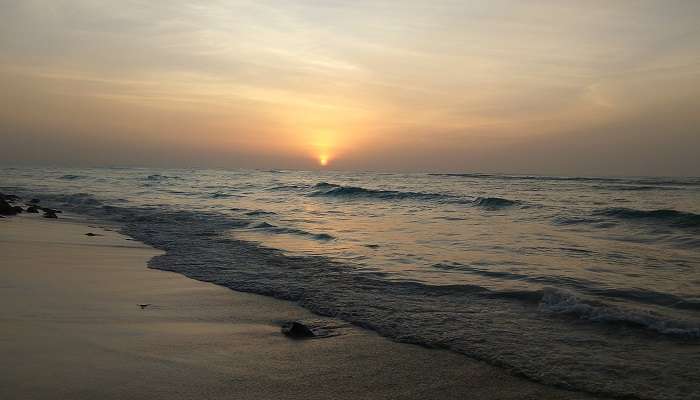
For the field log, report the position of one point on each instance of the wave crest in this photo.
(559, 301)
(70, 177)
(291, 231)
(332, 190)
(672, 218)
(493, 203)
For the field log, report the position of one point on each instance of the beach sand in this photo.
(71, 328)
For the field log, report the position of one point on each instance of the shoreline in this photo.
(77, 331)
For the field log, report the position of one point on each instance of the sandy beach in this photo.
(71, 328)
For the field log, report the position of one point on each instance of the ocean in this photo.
(585, 283)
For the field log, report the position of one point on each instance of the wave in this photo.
(352, 192)
(632, 295)
(559, 301)
(672, 218)
(633, 188)
(159, 177)
(259, 212)
(333, 190)
(493, 203)
(290, 187)
(528, 177)
(291, 231)
(564, 220)
(220, 195)
(70, 177)
(642, 181)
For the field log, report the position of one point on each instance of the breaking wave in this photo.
(354, 192)
(332, 190)
(559, 301)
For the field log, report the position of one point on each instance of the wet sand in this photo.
(71, 328)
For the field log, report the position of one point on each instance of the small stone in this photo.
(50, 214)
(297, 330)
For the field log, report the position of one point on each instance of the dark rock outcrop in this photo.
(8, 197)
(34, 201)
(32, 209)
(297, 330)
(7, 208)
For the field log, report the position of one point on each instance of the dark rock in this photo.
(50, 214)
(297, 330)
(32, 209)
(143, 306)
(34, 201)
(7, 208)
(47, 209)
(18, 209)
(8, 197)
(92, 234)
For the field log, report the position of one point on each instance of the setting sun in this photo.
(323, 160)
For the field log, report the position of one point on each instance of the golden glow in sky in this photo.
(502, 85)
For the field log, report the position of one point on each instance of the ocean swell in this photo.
(331, 190)
(672, 218)
(291, 231)
(494, 203)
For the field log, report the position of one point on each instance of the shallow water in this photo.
(586, 283)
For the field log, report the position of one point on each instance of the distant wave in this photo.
(259, 212)
(293, 187)
(643, 181)
(221, 195)
(633, 188)
(353, 192)
(671, 218)
(333, 190)
(528, 177)
(562, 220)
(71, 177)
(159, 177)
(493, 203)
(291, 231)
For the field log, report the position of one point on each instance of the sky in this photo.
(547, 87)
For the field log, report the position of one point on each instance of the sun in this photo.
(323, 160)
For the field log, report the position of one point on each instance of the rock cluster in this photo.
(7, 207)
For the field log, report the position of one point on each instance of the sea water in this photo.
(581, 282)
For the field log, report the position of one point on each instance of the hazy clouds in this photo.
(552, 87)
